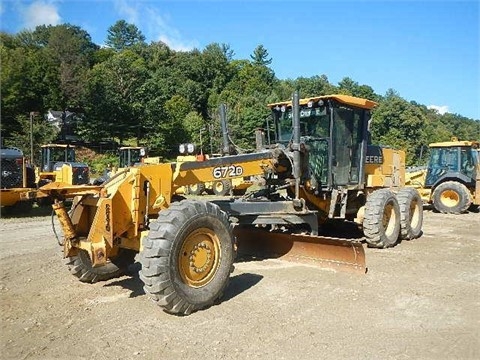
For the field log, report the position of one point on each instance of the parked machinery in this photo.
(58, 164)
(315, 165)
(451, 180)
(17, 181)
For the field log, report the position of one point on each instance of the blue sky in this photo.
(427, 50)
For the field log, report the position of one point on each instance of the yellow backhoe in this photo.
(315, 165)
(451, 179)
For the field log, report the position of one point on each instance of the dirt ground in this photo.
(419, 300)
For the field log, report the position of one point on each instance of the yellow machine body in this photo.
(298, 191)
(58, 164)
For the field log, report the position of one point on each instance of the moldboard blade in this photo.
(325, 252)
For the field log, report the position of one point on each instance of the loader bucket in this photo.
(325, 252)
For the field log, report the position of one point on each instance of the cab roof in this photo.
(58, 145)
(345, 99)
(456, 143)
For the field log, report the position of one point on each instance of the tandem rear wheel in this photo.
(391, 217)
(221, 187)
(381, 224)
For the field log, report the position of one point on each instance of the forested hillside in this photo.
(151, 95)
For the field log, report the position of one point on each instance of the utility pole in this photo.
(31, 138)
(32, 114)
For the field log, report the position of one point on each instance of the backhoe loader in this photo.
(451, 179)
(315, 165)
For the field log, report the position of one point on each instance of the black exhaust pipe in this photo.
(223, 122)
(296, 142)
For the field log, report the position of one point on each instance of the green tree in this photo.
(246, 98)
(22, 83)
(260, 56)
(123, 35)
(397, 123)
(115, 104)
(349, 87)
(43, 133)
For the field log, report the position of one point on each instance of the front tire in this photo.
(188, 256)
(381, 224)
(411, 213)
(81, 266)
(451, 197)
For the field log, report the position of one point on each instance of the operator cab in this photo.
(130, 156)
(334, 138)
(452, 160)
(56, 153)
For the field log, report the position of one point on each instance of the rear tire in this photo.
(411, 213)
(188, 256)
(222, 187)
(381, 224)
(451, 197)
(196, 189)
(81, 266)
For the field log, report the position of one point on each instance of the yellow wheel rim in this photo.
(389, 219)
(219, 186)
(199, 257)
(414, 213)
(450, 198)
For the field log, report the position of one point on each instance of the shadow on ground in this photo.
(24, 211)
(237, 285)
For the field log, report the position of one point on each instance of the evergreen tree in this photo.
(123, 35)
(260, 56)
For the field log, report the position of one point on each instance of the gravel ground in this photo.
(419, 300)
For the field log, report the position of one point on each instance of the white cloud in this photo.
(152, 24)
(40, 13)
(128, 12)
(440, 109)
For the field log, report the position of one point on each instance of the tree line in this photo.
(158, 97)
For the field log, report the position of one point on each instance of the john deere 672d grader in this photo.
(315, 165)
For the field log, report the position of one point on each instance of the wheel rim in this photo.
(199, 257)
(389, 219)
(194, 188)
(414, 213)
(219, 186)
(450, 198)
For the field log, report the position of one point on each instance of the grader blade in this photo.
(325, 252)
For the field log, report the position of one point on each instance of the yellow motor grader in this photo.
(315, 164)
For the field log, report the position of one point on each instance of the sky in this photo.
(428, 51)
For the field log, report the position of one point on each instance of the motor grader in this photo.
(451, 179)
(315, 164)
